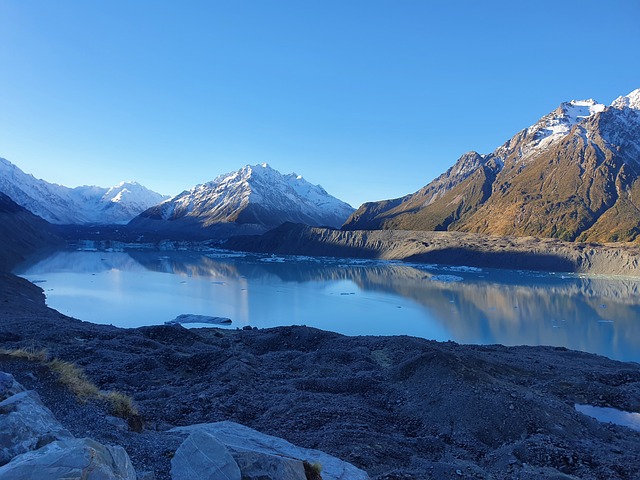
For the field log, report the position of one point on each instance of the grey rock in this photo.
(261, 466)
(240, 439)
(203, 457)
(148, 475)
(26, 424)
(77, 458)
(118, 423)
(8, 386)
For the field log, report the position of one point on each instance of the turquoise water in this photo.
(467, 305)
(611, 415)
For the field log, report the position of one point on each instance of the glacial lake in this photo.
(355, 297)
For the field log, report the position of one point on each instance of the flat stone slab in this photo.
(203, 457)
(238, 438)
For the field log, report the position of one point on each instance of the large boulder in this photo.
(8, 386)
(203, 457)
(73, 459)
(35, 446)
(26, 424)
(260, 466)
(241, 440)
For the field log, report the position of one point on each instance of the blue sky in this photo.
(371, 99)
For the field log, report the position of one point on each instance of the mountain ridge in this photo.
(87, 204)
(572, 175)
(252, 199)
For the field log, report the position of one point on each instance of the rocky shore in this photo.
(395, 407)
(449, 248)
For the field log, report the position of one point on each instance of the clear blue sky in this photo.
(371, 99)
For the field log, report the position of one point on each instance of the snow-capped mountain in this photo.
(574, 174)
(256, 197)
(81, 205)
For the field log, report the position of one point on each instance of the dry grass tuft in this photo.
(74, 378)
(312, 470)
(77, 381)
(121, 404)
(27, 353)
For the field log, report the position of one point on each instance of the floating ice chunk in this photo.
(273, 260)
(446, 278)
(225, 254)
(192, 318)
(462, 268)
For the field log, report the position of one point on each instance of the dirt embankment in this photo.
(453, 248)
(398, 407)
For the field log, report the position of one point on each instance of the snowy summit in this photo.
(77, 206)
(255, 195)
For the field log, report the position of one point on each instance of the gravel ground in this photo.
(398, 407)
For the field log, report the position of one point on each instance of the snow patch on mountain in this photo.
(81, 205)
(560, 122)
(628, 101)
(537, 138)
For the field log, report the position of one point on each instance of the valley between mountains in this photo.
(574, 175)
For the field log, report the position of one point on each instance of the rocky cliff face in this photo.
(573, 175)
(450, 248)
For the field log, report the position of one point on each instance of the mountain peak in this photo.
(628, 101)
(578, 110)
(80, 205)
(560, 122)
(572, 175)
(255, 195)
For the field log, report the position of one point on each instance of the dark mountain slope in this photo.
(21, 233)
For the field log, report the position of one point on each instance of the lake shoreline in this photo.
(447, 248)
(398, 407)
(132, 287)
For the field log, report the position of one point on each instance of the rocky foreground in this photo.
(396, 407)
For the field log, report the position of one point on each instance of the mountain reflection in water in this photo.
(594, 314)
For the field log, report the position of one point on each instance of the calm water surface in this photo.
(466, 305)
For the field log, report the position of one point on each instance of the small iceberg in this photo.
(192, 318)
(446, 278)
(273, 259)
(611, 415)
